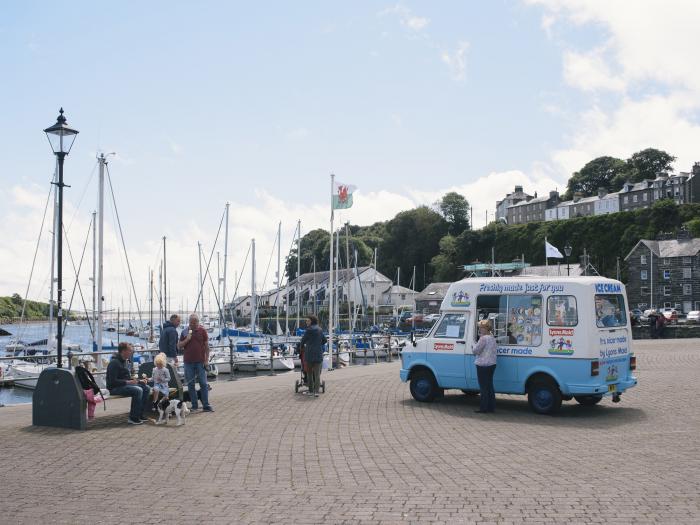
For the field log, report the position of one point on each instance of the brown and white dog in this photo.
(166, 407)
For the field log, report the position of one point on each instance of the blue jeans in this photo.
(139, 397)
(487, 397)
(193, 370)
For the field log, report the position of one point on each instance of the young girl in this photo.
(161, 377)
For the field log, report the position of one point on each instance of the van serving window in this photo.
(516, 319)
(561, 310)
(452, 326)
(610, 310)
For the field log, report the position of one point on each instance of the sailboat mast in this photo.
(94, 273)
(150, 297)
(223, 284)
(374, 290)
(165, 282)
(253, 306)
(347, 267)
(279, 260)
(53, 260)
(100, 254)
(201, 281)
(298, 288)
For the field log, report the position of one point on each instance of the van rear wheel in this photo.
(544, 396)
(423, 387)
(589, 401)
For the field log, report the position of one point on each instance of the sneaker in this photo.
(208, 409)
(143, 419)
(194, 409)
(134, 422)
(316, 395)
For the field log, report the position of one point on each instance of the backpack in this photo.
(87, 381)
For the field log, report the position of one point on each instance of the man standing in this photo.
(312, 343)
(119, 383)
(168, 339)
(196, 356)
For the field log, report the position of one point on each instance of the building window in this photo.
(687, 260)
(643, 259)
(645, 197)
(667, 291)
(687, 273)
(634, 198)
(644, 275)
(371, 298)
(624, 199)
(403, 296)
(667, 274)
(687, 289)
(667, 261)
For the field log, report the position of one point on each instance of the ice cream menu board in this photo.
(525, 319)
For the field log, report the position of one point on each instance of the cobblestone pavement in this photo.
(365, 452)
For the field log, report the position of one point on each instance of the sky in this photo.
(256, 104)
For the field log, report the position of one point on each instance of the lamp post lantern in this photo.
(567, 252)
(61, 139)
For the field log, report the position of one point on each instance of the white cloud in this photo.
(248, 220)
(457, 61)
(647, 61)
(590, 71)
(406, 17)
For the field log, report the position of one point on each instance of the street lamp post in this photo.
(567, 252)
(61, 139)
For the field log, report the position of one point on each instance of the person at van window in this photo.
(485, 352)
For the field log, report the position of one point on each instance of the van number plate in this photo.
(612, 388)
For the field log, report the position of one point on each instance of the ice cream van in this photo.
(559, 338)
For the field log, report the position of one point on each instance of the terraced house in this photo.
(665, 273)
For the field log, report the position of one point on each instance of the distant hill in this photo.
(11, 307)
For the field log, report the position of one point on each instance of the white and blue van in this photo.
(559, 338)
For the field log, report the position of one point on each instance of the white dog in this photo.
(166, 407)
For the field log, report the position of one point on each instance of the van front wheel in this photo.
(589, 401)
(423, 387)
(544, 396)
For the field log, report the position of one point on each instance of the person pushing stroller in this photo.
(311, 350)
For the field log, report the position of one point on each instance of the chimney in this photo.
(602, 192)
(553, 195)
(578, 196)
(696, 168)
(518, 189)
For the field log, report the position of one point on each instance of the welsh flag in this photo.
(342, 195)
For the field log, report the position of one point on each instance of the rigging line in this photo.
(126, 255)
(269, 263)
(211, 255)
(235, 292)
(36, 251)
(77, 281)
(77, 209)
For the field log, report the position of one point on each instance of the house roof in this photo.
(433, 292)
(400, 289)
(670, 248)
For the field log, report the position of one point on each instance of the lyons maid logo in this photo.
(608, 288)
(460, 298)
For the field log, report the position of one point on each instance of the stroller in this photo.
(303, 381)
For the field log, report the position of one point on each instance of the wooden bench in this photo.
(59, 399)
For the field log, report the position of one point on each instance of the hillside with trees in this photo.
(11, 307)
(437, 240)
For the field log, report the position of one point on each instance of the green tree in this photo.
(444, 264)
(648, 163)
(412, 239)
(455, 209)
(603, 172)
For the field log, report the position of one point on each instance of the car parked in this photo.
(637, 314)
(670, 314)
(693, 317)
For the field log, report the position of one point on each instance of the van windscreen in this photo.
(610, 310)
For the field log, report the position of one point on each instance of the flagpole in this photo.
(546, 259)
(330, 285)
